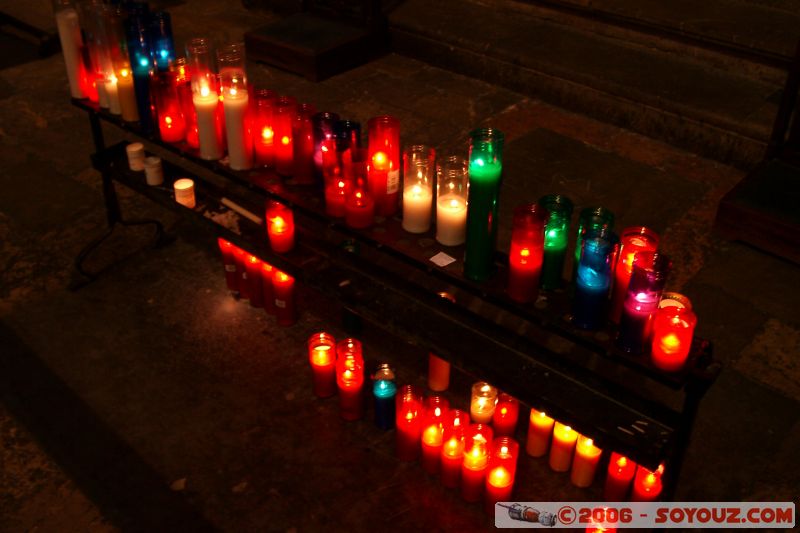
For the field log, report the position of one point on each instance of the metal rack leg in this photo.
(113, 212)
(691, 404)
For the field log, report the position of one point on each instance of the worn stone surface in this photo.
(150, 396)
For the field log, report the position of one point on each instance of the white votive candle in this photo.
(240, 157)
(153, 171)
(136, 156)
(451, 219)
(184, 192)
(69, 33)
(417, 201)
(205, 104)
(113, 96)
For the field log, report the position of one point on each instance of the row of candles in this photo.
(473, 451)
(261, 284)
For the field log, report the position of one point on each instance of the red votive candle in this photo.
(453, 447)
(183, 83)
(527, 252)
(646, 485)
(283, 287)
(633, 240)
(359, 210)
(283, 113)
(673, 329)
(171, 125)
(254, 281)
(263, 134)
(350, 378)
(436, 414)
(477, 449)
(383, 163)
(540, 427)
(408, 419)
(506, 414)
(501, 472)
(564, 438)
(267, 289)
(322, 356)
(229, 261)
(280, 227)
(336, 192)
(584, 463)
(303, 141)
(241, 268)
(619, 477)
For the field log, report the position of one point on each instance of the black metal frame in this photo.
(534, 354)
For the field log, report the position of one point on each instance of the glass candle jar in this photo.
(674, 299)
(452, 455)
(359, 209)
(69, 34)
(477, 450)
(506, 415)
(485, 171)
(139, 51)
(501, 472)
(183, 86)
(263, 134)
(303, 171)
(171, 125)
(483, 402)
(205, 98)
(408, 419)
(350, 378)
(384, 390)
(452, 187)
(591, 219)
(91, 76)
(283, 113)
(556, 235)
(235, 100)
(650, 270)
(526, 252)
(280, 227)
(433, 423)
(633, 240)
(322, 133)
(673, 330)
(162, 45)
(383, 163)
(593, 281)
(419, 164)
(322, 356)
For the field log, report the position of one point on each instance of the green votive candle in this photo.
(485, 170)
(556, 235)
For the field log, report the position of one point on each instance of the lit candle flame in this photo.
(285, 140)
(267, 133)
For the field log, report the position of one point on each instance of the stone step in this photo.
(717, 112)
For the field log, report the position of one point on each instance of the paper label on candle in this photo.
(442, 259)
(392, 181)
(280, 303)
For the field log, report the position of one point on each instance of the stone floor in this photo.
(151, 400)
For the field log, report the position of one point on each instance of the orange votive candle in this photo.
(506, 414)
(502, 470)
(477, 449)
(584, 463)
(280, 227)
(564, 438)
(540, 427)
(322, 356)
(453, 447)
(438, 373)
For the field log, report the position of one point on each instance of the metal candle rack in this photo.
(528, 350)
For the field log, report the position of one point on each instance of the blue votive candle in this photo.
(594, 279)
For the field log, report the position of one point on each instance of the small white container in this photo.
(153, 171)
(184, 192)
(135, 156)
